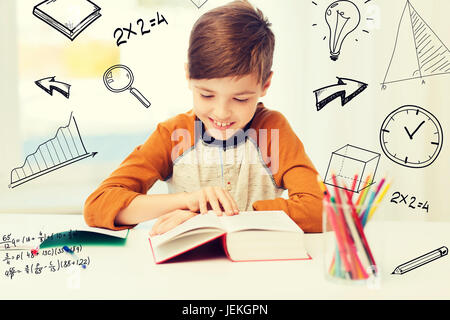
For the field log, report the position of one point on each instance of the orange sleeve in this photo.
(136, 174)
(296, 173)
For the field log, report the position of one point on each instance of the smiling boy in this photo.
(229, 153)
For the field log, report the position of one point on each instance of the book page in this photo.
(113, 233)
(260, 220)
(201, 221)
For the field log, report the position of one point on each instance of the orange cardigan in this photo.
(176, 153)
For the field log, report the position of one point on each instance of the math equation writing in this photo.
(399, 198)
(17, 259)
(123, 34)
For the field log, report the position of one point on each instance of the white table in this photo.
(129, 272)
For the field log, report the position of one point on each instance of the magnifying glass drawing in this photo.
(119, 78)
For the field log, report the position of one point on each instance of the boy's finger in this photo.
(233, 202)
(225, 201)
(158, 222)
(212, 199)
(203, 203)
(175, 220)
(161, 220)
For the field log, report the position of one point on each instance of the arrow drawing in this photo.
(64, 148)
(346, 88)
(49, 84)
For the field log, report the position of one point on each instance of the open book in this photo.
(248, 236)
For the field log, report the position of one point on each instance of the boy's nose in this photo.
(222, 112)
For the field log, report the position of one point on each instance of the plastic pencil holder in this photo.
(348, 254)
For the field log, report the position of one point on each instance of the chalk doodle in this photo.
(346, 89)
(70, 17)
(119, 78)
(120, 32)
(49, 85)
(23, 262)
(348, 161)
(411, 136)
(28, 255)
(399, 198)
(418, 51)
(343, 18)
(65, 148)
(420, 261)
(199, 3)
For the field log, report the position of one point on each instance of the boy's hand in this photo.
(170, 220)
(214, 198)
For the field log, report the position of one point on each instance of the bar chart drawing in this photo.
(65, 148)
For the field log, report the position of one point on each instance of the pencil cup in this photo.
(348, 257)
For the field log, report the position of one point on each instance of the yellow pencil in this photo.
(377, 202)
(364, 190)
(359, 204)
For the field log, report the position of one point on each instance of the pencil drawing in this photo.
(421, 260)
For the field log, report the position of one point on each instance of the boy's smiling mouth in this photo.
(220, 125)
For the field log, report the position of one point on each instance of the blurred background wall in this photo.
(112, 124)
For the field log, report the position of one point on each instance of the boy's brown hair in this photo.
(231, 40)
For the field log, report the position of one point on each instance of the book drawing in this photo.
(70, 17)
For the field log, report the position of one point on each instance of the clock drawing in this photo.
(411, 136)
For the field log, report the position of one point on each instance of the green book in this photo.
(78, 235)
(86, 236)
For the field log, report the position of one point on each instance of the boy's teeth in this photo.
(222, 124)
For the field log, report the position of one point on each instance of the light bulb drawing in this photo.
(342, 18)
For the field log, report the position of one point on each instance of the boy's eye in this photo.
(206, 96)
(241, 100)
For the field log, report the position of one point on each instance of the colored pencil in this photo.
(370, 259)
(365, 213)
(356, 243)
(360, 202)
(345, 227)
(332, 216)
(377, 202)
(354, 184)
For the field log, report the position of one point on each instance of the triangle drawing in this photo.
(418, 51)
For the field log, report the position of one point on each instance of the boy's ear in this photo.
(267, 84)
(186, 71)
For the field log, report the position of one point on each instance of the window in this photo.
(110, 124)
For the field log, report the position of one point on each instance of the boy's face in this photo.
(226, 105)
